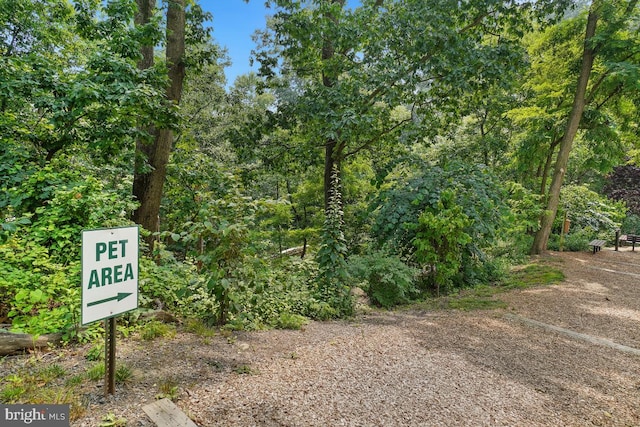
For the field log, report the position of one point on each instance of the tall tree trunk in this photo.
(149, 178)
(333, 148)
(544, 174)
(546, 221)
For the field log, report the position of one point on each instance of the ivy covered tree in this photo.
(332, 255)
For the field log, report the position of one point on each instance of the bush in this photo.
(290, 321)
(40, 264)
(477, 193)
(42, 295)
(576, 241)
(163, 283)
(440, 240)
(631, 224)
(385, 278)
(275, 292)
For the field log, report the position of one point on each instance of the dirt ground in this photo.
(563, 355)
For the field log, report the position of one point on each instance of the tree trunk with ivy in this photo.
(332, 254)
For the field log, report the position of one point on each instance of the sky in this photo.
(234, 21)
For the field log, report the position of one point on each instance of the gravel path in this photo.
(440, 368)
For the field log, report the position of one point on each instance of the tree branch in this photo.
(378, 136)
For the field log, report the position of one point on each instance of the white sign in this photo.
(109, 272)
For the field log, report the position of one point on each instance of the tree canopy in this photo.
(406, 147)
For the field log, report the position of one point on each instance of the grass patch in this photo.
(473, 302)
(12, 393)
(96, 372)
(198, 327)
(50, 373)
(532, 275)
(484, 297)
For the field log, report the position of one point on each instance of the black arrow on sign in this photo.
(119, 297)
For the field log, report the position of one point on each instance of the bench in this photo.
(633, 239)
(597, 245)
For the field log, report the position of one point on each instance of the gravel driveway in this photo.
(564, 355)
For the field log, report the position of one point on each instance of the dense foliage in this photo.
(403, 147)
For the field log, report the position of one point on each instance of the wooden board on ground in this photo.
(164, 413)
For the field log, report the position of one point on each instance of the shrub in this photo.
(575, 241)
(281, 287)
(386, 279)
(440, 239)
(478, 194)
(290, 321)
(164, 283)
(43, 296)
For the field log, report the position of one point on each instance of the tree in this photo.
(615, 76)
(149, 177)
(67, 78)
(359, 67)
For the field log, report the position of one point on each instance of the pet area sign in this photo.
(109, 272)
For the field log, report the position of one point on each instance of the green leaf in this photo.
(37, 296)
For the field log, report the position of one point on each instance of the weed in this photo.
(155, 329)
(245, 370)
(35, 387)
(110, 420)
(168, 389)
(123, 374)
(96, 372)
(49, 373)
(74, 380)
(95, 353)
(11, 393)
(53, 395)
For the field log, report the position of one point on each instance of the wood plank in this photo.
(164, 413)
